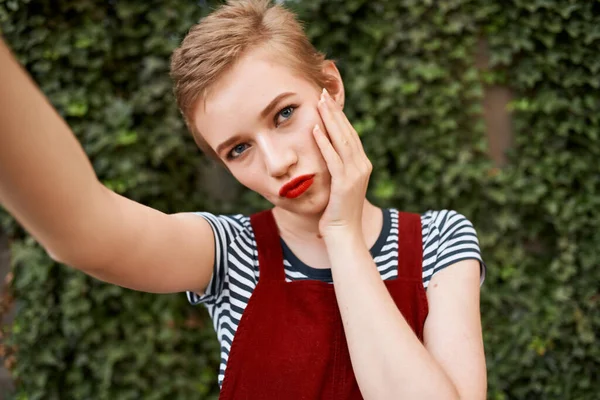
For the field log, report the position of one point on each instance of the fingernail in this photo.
(316, 128)
(325, 93)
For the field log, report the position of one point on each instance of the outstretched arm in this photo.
(48, 184)
(46, 180)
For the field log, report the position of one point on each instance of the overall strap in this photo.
(410, 246)
(268, 245)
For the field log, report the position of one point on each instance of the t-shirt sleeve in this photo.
(449, 238)
(225, 228)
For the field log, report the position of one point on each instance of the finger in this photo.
(336, 131)
(349, 133)
(352, 132)
(332, 158)
(338, 114)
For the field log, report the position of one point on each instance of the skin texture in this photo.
(333, 225)
(52, 190)
(272, 153)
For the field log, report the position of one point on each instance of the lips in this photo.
(296, 186)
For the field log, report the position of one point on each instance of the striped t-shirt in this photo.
(448, 237)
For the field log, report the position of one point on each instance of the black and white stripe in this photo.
(448, 237)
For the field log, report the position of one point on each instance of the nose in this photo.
(279, 156)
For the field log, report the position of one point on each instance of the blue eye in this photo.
(285, 113)
(236, 151)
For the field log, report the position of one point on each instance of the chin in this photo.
(309, 204)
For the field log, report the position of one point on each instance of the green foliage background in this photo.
(415, 96)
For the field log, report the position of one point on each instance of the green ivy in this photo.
(414, 95)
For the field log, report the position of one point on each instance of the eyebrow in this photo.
(263, 114)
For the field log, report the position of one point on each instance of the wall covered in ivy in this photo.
(415, 95)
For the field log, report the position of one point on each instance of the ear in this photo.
(334, 85)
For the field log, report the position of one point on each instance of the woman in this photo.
(323, 296)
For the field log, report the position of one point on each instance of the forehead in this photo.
(235, 101)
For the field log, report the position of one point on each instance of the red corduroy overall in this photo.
(290, 342)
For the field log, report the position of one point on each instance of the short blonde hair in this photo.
(213, 46)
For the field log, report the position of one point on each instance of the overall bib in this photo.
(290, 343)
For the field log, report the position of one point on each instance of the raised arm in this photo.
(48, 184)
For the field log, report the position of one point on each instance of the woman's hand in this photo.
(348, 165)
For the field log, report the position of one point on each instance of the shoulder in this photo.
(233, 238)
(239, 221)
(448, 238)
(233, 235)
(227, 226)
(440, 225)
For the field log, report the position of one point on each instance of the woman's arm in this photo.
(453, 333)
(48, 184)
(388, 359)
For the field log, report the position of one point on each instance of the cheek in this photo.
(247, 178)
(303, 127)
(253, 180)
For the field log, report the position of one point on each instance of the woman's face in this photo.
(259, 118)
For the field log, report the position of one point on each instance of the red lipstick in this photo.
(296, 186)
